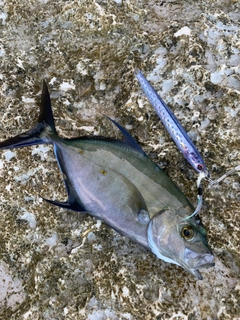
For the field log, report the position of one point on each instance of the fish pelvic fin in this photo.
(40, 132)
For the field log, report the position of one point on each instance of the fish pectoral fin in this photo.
(70, 205)
(128, 139)
(135, 200)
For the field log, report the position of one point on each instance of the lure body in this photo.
(115, 181)
(173, 126)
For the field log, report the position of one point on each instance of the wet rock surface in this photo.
(56, 264)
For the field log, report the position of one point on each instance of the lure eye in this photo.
(200, 167)
(187, 232)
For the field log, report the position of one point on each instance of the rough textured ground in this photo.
(55, 264)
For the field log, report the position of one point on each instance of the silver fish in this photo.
(115, 181)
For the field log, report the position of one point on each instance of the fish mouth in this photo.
(196, 262)
(202, 265)
(196, 272)
(206, 261)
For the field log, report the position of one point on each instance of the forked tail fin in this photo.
(39, 133)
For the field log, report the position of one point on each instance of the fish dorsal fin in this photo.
(128, 139)
(73, 203)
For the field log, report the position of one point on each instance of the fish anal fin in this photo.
(128, 139)
(73, 205)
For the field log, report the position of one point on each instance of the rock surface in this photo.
(56, 264)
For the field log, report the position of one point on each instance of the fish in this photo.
(115, 181)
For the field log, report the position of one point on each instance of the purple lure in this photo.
(175, 129)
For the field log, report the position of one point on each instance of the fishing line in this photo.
(202, 175)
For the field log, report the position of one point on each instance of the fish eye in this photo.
(187, 232)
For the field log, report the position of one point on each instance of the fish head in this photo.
(179, 241)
